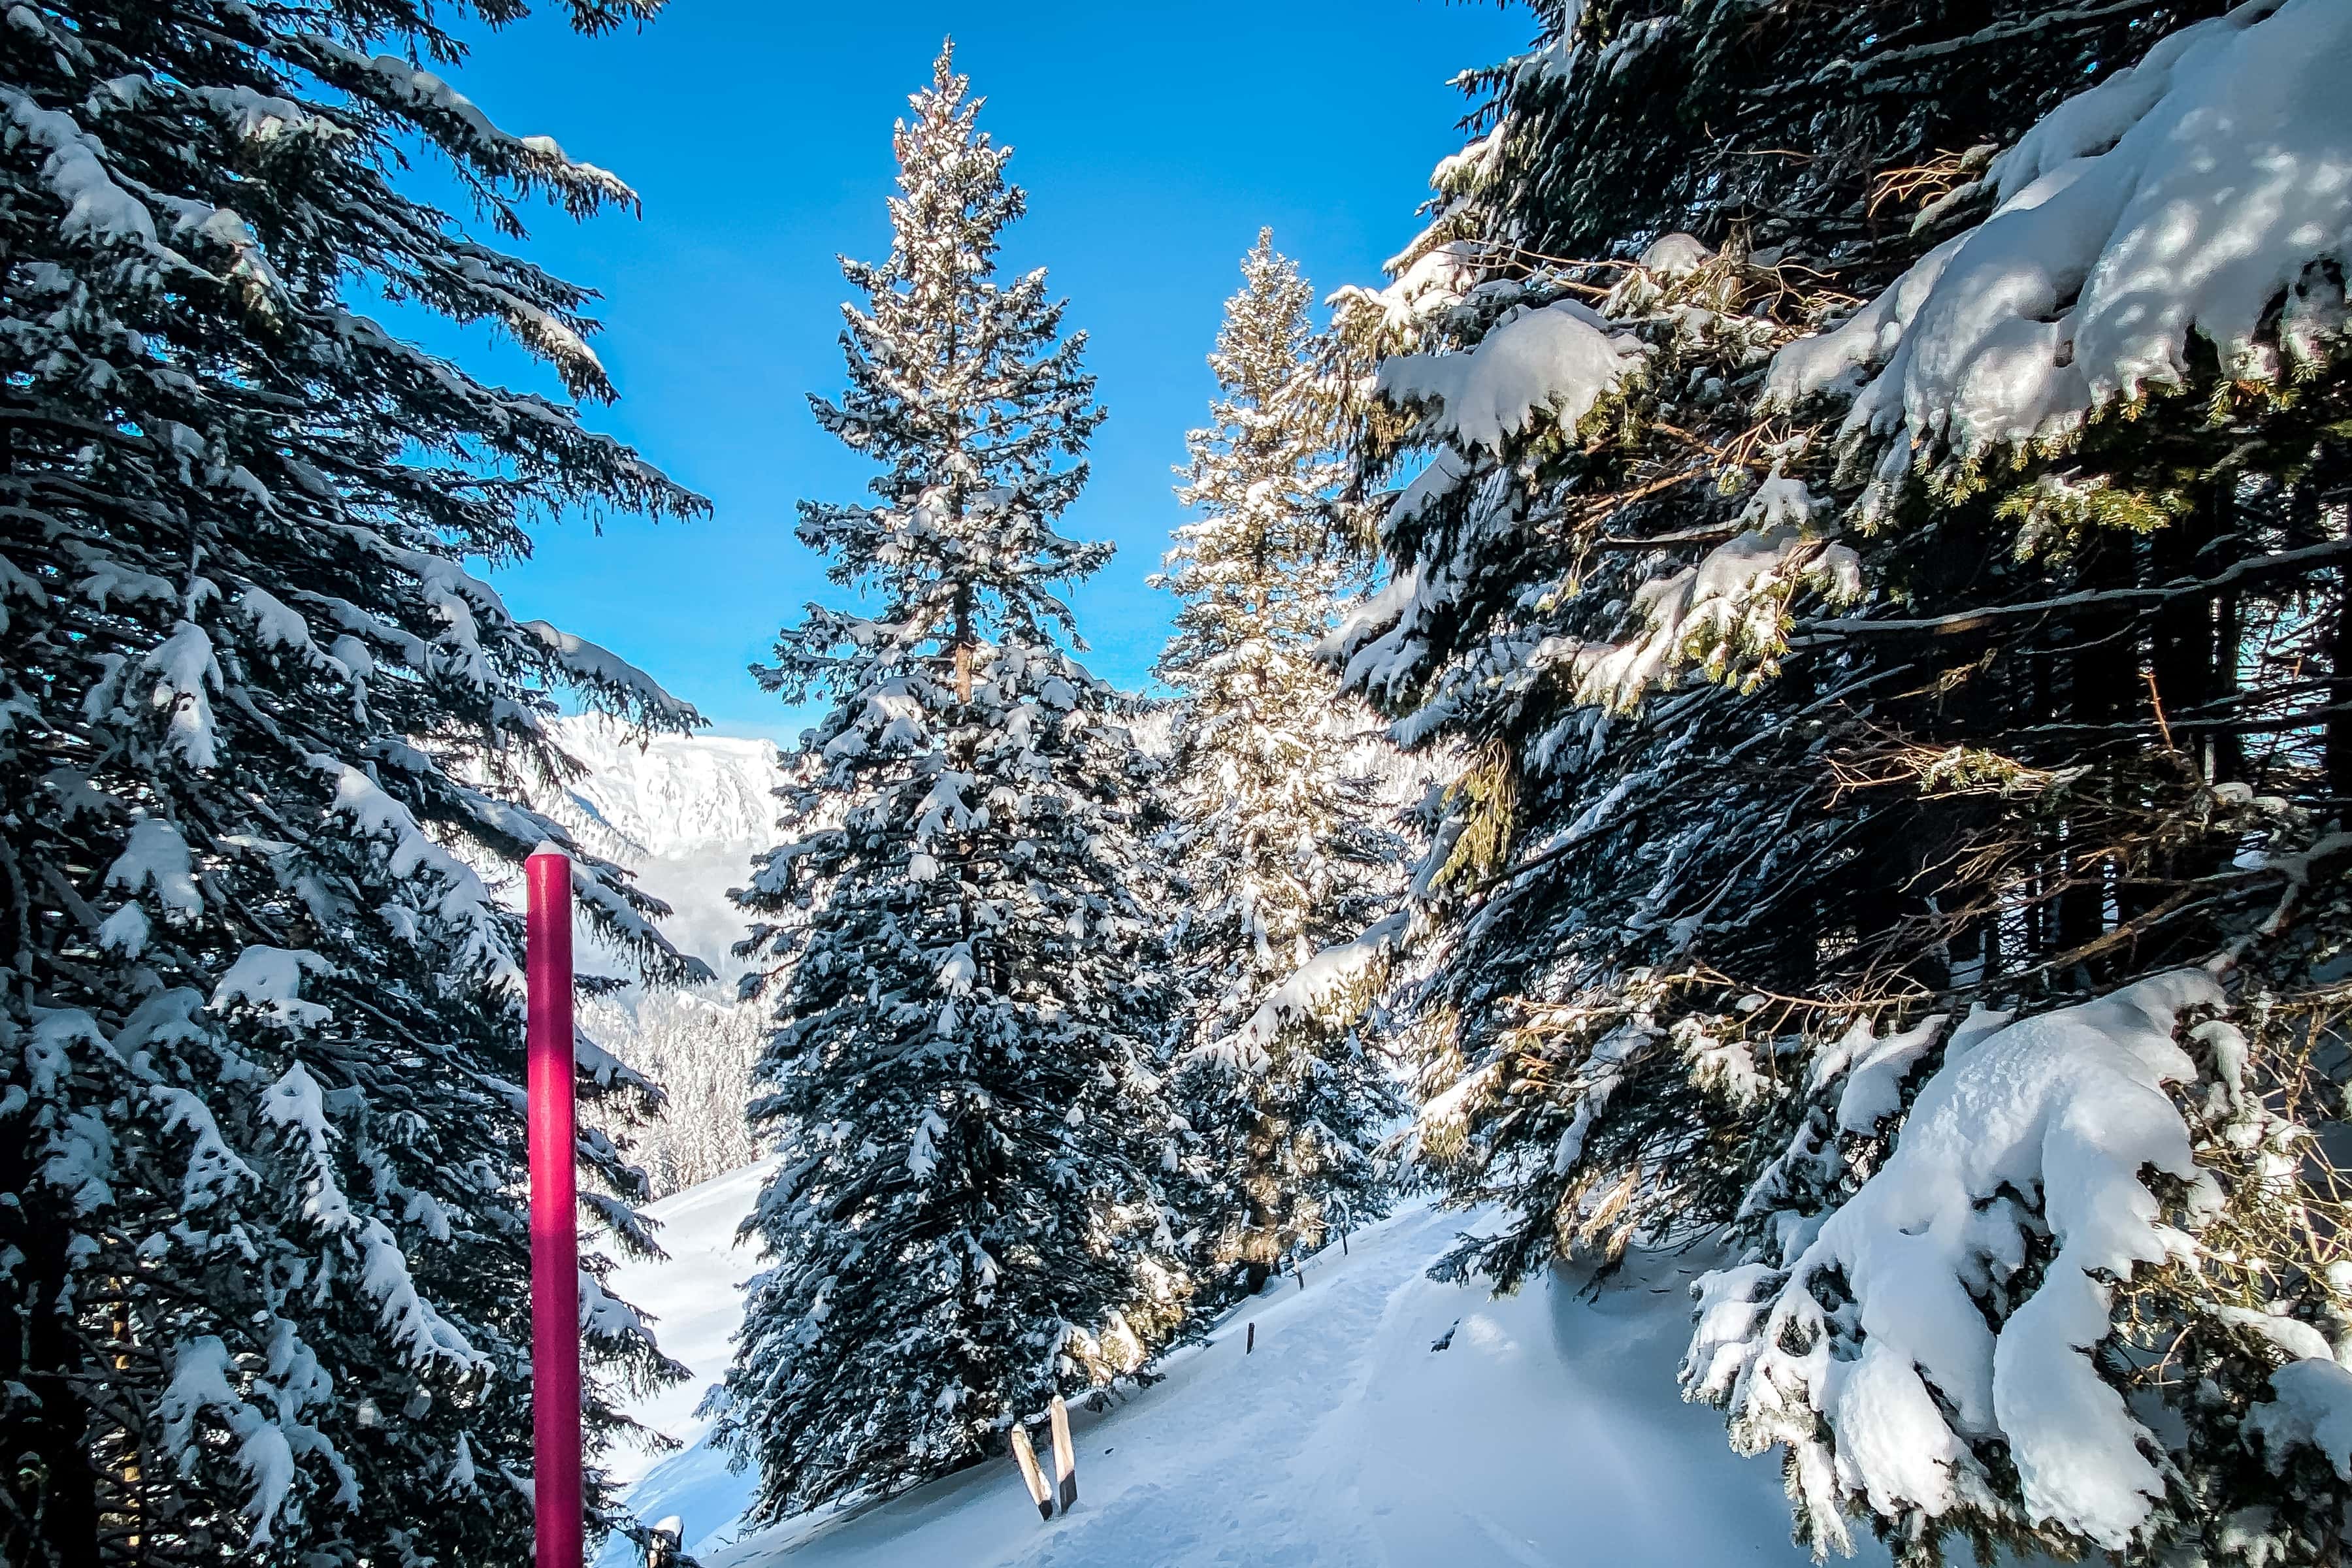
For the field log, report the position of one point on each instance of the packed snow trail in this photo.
(1546, 1433)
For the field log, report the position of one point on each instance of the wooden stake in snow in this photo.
(1066, 1457)
(1025, 1456)
(1250, 1347)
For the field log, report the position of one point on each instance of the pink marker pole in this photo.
(554, 1239)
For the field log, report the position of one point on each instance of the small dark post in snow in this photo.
(1343, 1243)
(1025, 1456)
(1249, 1347)
(1066, 1455)
(1298, 1272)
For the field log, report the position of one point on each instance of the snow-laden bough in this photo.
(1863, 1338)
(2192, 194)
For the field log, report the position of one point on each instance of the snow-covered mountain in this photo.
(668, 797)
(685, 813)
(1382, 1418)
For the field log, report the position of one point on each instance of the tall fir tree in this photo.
(962, 942)
(263, 1258)
(1277, 819)
(1853, 635)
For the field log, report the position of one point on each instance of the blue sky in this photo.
(1153, 138)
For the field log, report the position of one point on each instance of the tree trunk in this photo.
(2339, 727)
(2103, 689)
(51, 1518)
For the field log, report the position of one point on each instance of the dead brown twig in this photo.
(1925, 181)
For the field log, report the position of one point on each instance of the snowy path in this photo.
(1546, 1434)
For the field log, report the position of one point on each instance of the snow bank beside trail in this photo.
(1545, 1434)
(2185, 195)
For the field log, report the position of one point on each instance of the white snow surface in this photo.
(157, 857)
(200, 1381)
(270, 978)
(1435, 280)
(1731, 603)
(674, 795)
(602, 666)
(1308, 993)
(95, 207)
(1546, 1433)
(693, 1299)
(2310, 1403)
(2187, 193)
(1677, 255)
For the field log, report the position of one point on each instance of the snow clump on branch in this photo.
(1558, 359)
(1888, 1341)
(2189, 194)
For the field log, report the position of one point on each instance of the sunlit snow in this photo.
(1544, 1434)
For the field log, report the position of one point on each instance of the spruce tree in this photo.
(961, 943)
(263, 1254)
(1849, 635)
(1277, 818)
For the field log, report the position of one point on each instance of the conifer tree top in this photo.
(964, 389)
(1259, 566)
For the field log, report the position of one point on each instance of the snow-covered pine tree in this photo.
(263, 1259)
(962, 942)
(1912, 589)
(1277, 823)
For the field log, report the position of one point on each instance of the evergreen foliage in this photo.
(1861, 508)
(1276, 823)
(1797, 736)
(263, 1252)
(963, 942)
